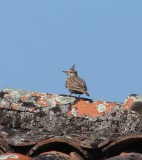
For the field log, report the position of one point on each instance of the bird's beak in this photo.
(65, 72)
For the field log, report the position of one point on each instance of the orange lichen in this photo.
(110, 105)
(14, 106)
(42, 102)
(128, 104)
(84, 107)
(24, 98)
(37, 94)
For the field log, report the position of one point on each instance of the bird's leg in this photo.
(70, 94)
(79, 96)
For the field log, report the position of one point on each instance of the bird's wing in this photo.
(76, 83)
(82, 83)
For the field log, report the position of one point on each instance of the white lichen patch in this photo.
(14, 156)
(64, 108)
(138, 98)
(74, 112)
(64, 99)
(101, 108)
(3, 157)
(11, 156)
(51, 103)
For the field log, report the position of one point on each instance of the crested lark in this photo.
(74, 83)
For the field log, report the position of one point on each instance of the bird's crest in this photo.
(73, 67)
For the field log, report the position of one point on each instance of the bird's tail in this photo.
(86, 93)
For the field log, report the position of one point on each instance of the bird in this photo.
(75, 84)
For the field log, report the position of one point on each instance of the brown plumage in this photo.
(74, 83)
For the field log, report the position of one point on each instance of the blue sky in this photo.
(39, 39)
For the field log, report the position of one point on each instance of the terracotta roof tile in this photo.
(44, 125)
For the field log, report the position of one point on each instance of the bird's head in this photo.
(71, 72)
